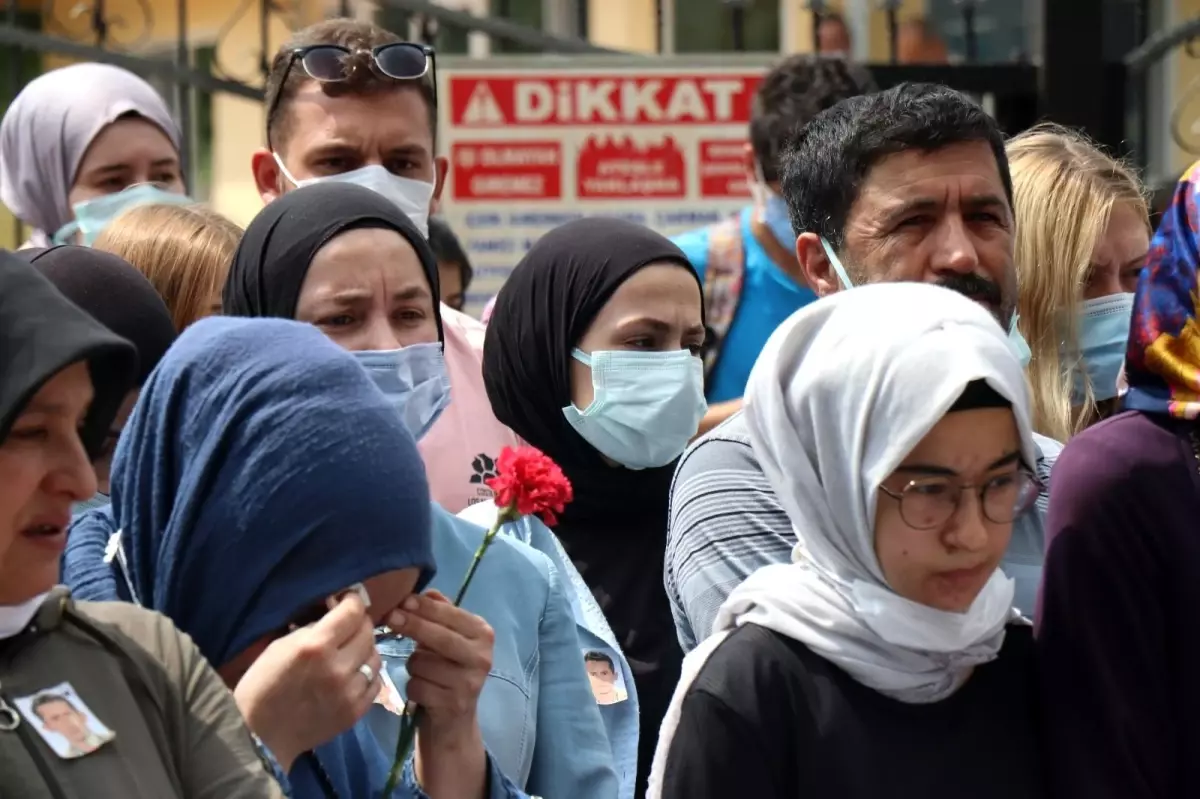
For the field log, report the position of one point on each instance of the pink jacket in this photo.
(460, 450)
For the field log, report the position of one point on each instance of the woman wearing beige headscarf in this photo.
(82, 143)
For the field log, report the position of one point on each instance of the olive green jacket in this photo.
(176, 732)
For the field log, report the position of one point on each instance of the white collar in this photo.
(15, 618)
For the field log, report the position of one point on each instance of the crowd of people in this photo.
(885, 485)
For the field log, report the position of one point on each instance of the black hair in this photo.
(449, 250)
(600, 657)
(827, 161)
(791, 94)
(285, 77)
(49, 699)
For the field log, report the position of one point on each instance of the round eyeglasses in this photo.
(931, 501)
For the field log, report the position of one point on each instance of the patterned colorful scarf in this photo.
(1162, 363)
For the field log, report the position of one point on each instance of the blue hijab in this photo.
(263, 470)
(260, 472)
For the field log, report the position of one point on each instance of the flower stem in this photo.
(410, 721)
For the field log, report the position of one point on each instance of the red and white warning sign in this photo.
(530, 170)
(532, 148)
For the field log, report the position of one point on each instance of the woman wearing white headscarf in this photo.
(886, 659)
(81, 144)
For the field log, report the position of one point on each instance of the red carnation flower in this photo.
(528, 483)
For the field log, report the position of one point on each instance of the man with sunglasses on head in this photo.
(349, 101)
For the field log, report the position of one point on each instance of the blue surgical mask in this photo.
(414, 379)
(646, 406)
(1016, 341)
(411, 196)
(1103, 335)
(774, 213)
(94, 215)
(98, 500)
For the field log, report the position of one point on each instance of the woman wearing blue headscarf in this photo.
(351, 263)
(272, 504)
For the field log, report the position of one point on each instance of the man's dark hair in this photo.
(48, 699)
(600, 657)
(356, 36)
(448, 249)
(791, 94)
(827, 161)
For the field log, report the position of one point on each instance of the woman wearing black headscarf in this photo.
(94, 694)
(123, 300)
(592, 356)
(351, 263)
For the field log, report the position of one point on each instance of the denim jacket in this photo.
(408, 786)
(538, 717)
(595, 636)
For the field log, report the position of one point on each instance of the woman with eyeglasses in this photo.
(83, 143)
(886, 659)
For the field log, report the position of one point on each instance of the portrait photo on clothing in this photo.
(64, 721)
(608, 686)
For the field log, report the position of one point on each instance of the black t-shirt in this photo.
(767, 717)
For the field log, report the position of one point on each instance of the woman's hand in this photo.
(308, 686)
(446, 673)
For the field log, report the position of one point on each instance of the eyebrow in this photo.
(974, 202)
(161, 162)
(659, 326)
(933, 470)
(48, 408)
(351, 296)
(1139, 261)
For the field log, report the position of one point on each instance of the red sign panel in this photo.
(518, 170)
(619, 169)
(723, 168)
(488, 101)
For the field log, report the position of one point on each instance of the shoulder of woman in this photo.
(1128, 455)
(151, 631)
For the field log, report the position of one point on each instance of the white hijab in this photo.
(841, 393)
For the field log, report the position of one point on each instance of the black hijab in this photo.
(541, 313)
(616, 528)
(277, 248)
(116, 294)
(43, 333)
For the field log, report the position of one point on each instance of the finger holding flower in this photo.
(454, 648)
(446, 672)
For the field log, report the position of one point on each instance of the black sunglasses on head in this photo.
(332, 63)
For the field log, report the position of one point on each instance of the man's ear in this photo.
(814, 264)
(441, 168)
(267, 177)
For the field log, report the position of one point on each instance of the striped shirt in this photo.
(726, 523)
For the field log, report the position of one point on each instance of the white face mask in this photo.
(411, 196)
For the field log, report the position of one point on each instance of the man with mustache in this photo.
(907, 184)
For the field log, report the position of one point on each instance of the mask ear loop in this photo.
(836, 263)
(114, 551)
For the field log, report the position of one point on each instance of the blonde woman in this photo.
(185, 251)
(1083, 231)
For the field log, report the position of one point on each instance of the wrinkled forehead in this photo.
(384, 120)
(958, 176)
